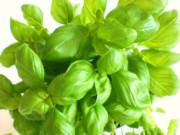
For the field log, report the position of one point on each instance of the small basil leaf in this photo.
(164, 81)
(168, 34)
(103, 88)
(90, 8)
(80, 129)
(68, 43)
(110, 62)
(34, 104)
(62, 11)
(118, 35)
(33, 15)
(29, 66)
(159, 58)
(24, 126)
(95, 120)
(71, 112)
(23, 32)
(139, 67)
(8, 99)
(123, 115)
(73, 84)
(20, 87)
(129, 90)
(7, 58)
(144, 24)
(56, 123)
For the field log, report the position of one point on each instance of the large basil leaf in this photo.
(118, 35)
(139, 67)
(8, 99)
(62, 11)
(123, 115)
(33, 15)
(154, 7)
(168, 34)
(68, 43)
(73, 84)
(7, 58)
(71, 112)
(24, 126)
(129, 90)
(34, 104)
(29, 66)
(164, 81)
(159, 58)
(56, 123)
(95, 120)
(90, 9)
(103, 88)
(110, 62)
(136, 18)
(23, 32)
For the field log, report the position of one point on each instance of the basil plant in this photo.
(93, 73)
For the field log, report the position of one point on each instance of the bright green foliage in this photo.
(56, 123)
(8, 98)
(159, 58)
(24, 126)
(67, 43)
(136, 18)
(117, 35)
(173, 127)
(29, 66)
(33, 15)
(154, 7)
(168, 34)
(122, 114)
(34, 104)
(164, 81)
(129, 90)
(91, 74)
(62, 11)
(7, 58)
(73, 84)
(110, 62)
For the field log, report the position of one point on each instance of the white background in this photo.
(12, 8)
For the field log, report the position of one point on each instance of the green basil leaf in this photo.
(71, 112)
(139, 67)
(173, 127)
(73, 84)
(24, 126)
(154, 7)
(103, 88)
(118, 35)
(129, 90)
(164, 81)
(90, 8)
(159, 58)
(56, 123)
(144, 24)
(123, 115)
(29, 66)
(8, 99)
(80, 129)
(33, 15)
(23, 32)
(62, 11)
(20, 87)
(68, 43)
(168, 34)
(34, 104)
(95, 120)
(110, 62)
(7, 58)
